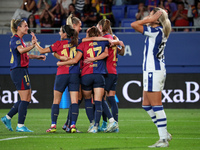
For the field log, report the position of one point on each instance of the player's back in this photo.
(90, 50)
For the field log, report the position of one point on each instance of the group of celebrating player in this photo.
(95, 58)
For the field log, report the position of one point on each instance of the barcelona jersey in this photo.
(17, 60)
(111, 61)
(92, 49)
(64, 48)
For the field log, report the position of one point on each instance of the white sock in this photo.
(20, 125)
(151, 113)
(111, 119)
(161, 121)
(8, 117)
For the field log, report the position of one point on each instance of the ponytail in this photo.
(105, 23)
(14, 25)
(71, 33)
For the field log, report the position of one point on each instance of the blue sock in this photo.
(89, 109)
(74, 113)
(54, 113)
(106, 109)
(79, 102)
(104, 116)
(22, 111)
(98, 112)
(114, 107)
(14, 109)
(68, 121)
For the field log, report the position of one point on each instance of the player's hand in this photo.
(89, 60)
(155, 17)
(64, 58)
(42, 57)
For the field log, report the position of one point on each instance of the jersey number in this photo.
(71, 54)
(12, 57)
(26, 78)
(90, 51)
(114, 53)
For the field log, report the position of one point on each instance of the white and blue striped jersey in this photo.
(155, 43)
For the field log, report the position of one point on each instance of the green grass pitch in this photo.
(137, 131)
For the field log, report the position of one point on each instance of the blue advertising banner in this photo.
(181, 54)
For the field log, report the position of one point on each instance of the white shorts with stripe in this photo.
(153, 81)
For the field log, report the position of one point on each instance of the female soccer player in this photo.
(111, 78)
(66, 75)
(92, 73)
(19, 73)
(157, 28)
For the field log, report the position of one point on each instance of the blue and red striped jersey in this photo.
(111, 61)
(93, 49)
(64, 48)
(17, 60)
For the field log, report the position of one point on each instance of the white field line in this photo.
(13, 138)
(71, 137)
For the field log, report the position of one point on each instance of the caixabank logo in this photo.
(180, 91)
(169, 95)
(10, 97)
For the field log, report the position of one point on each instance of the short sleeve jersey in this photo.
(17, 60)
(111, 61)
(64, 48)
(155, 43)
(93, 49)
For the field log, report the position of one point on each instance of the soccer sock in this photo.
(22, 111)
(106, 109)
(98, 112)
(89, 109)
(54, 113)
(114, 107)
(79, 102)
(104, 116)
(14, 109)
(74, 113)
(161, 121)
(68, 121)
(151, 113)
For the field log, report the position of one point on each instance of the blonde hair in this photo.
(14, 24)
(105, 23)
(164, 21)
(72, 20)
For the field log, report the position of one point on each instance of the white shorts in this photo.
(154, 81)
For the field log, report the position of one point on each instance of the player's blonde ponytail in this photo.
(164, 21)
(14, 24)
(69, 20)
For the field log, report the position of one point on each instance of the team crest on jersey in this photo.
(18, 42)
(28, 84)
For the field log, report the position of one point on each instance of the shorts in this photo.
(90, 81)
(111, 82)
(154, 81)
(20, 78)
(64, 80)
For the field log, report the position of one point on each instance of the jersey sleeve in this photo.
(80, 48)
(16, 42)
(149, 31)
(55, 47)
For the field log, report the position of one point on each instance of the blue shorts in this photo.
(20, 78)
(90, 81)
(111, 82)
(64, 80)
